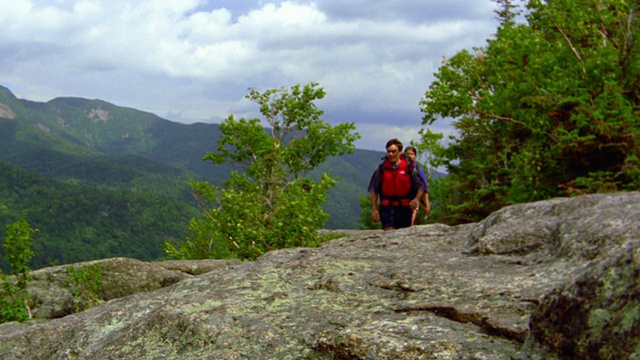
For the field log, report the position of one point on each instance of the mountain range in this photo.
(100, 180)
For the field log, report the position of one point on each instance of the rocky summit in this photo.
(554, 279)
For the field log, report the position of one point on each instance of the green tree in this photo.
(507, 11)
(271, 203)
(14, 299)
(547, 108)
(430, 149)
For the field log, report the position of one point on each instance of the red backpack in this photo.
(396, 185)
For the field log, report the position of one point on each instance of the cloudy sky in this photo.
(193, 60)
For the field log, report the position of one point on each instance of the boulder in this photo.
(553, 279)
(51, 288)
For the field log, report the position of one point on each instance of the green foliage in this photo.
(201, 243)
(365, 214)
(273, 203)
(85, 283)
(440, 197)
(14, 302)
(17, 248)
(79, 223)
(14, 298)
(548, 108)
(430, 149)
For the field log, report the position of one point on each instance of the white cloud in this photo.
(375, 136)
(194, 59)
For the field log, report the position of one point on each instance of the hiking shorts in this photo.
(397, 217)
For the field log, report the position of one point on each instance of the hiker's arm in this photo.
(375, 215)
(416, 200)
(418, 183)
(427, 206)
(374, 189)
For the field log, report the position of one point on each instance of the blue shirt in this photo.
(424, 178)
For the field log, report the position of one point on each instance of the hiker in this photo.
(411, 154)
(398, 187)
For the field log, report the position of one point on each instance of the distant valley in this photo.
(100, 180)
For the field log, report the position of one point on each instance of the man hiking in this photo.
(398, 187)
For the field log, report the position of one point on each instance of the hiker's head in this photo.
(394, 149)
(411, 152)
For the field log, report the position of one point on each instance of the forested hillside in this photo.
(100, 180)
(79, 222)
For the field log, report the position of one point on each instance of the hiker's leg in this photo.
(403, 216)
(387, 217)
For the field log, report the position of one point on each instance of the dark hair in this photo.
(412, 148)
(395, 142)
